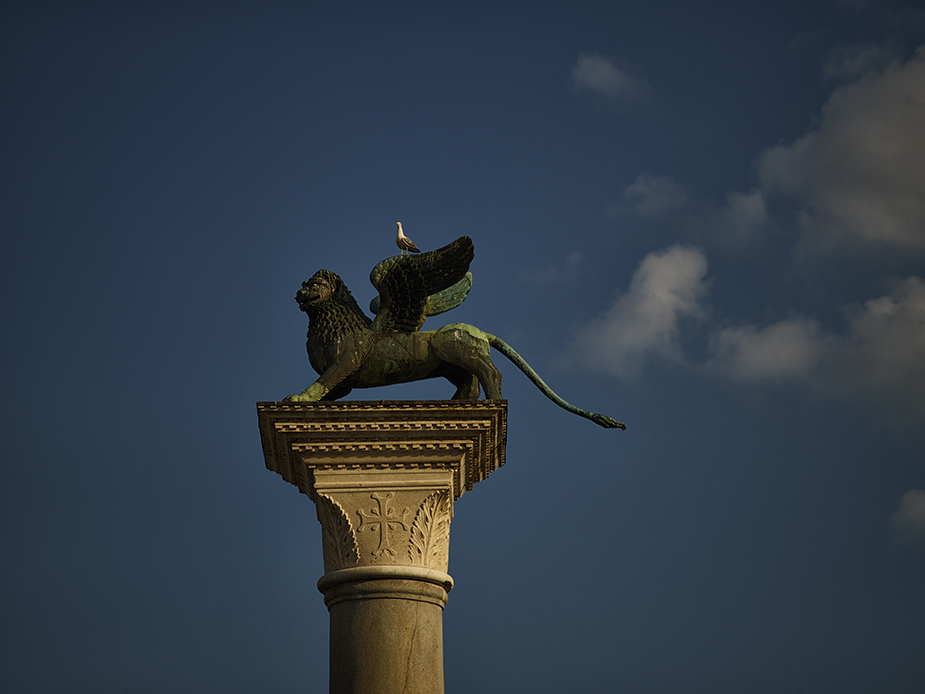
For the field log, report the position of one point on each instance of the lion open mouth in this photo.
(308, 294)
(303, 299)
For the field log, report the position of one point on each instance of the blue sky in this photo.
(704, 219)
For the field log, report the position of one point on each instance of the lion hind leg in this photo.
(467, 347)
(489, 377)
(467, 385)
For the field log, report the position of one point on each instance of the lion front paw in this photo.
(314, 392)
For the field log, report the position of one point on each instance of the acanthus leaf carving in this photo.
(339, 545)
(430, 532)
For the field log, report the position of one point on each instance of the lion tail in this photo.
(521, 363)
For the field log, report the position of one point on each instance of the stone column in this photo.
(384, 476)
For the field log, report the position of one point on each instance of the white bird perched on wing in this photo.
(404, 243)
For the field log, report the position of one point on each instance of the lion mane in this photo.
(336, 316)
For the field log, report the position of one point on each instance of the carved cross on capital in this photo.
(382, 519)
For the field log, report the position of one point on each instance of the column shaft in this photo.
(386, 636)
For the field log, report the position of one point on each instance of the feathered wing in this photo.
(438, 303)
(405, 283)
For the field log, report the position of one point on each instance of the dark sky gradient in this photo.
(703, 219)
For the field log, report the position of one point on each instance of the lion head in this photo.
(318, 289)
(330, 305)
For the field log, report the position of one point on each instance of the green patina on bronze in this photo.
(350, 351)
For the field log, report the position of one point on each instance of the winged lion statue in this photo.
(348, 350)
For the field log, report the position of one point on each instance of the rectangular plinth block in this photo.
(303, 441)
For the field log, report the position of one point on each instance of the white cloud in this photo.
(555, 274)
(877, 359)
(667, 287)
(654, 196)
(858, 179)
(741, 218)
(851, 62)
(854, 182)
(908, 522)
(880, 357)
(782, 351)
(610, 77)
(884, 352)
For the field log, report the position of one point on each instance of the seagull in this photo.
(404, 243)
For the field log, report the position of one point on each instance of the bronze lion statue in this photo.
(348, 350)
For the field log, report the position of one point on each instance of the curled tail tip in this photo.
(520, 362)
(607, 422)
